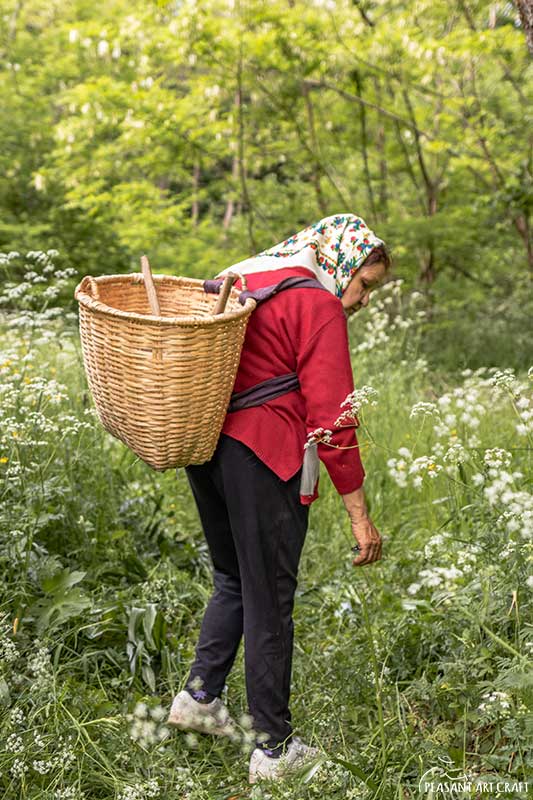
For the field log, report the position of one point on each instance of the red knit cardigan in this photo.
(300, 330)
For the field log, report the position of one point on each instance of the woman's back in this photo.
(301, 330)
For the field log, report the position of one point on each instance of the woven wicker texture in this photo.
(161, 384)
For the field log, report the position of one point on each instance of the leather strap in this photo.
(266, 292)
(263, 392)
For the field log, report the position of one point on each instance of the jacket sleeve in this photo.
(325, 374)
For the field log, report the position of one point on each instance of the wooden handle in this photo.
(224, 292)
(94, 287)
(150, 288)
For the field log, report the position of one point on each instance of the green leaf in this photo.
(61, 581)
(357, 771)
(149, 618)
(5, 695)
(134, 616)
(148, 676)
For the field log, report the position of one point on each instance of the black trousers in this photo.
(255, 528)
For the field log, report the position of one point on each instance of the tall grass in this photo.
(418, 663)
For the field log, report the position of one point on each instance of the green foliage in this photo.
(424, 657)
(200, 133)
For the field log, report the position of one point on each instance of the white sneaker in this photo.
(187, 713)
(295, 756)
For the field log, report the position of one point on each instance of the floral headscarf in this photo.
(333, 249)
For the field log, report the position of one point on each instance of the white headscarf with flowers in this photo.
(333, 249)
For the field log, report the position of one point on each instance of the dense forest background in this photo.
(200, 133)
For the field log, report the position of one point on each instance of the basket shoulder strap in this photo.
(266, 292)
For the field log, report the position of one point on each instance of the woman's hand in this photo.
(363, 529)
(368, 539)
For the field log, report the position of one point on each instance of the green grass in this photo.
(105, 574)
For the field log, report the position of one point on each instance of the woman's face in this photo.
(357, 293)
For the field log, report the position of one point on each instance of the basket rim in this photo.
(90, 303)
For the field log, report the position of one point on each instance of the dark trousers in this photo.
(255, 528)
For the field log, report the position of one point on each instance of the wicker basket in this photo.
(161, 382)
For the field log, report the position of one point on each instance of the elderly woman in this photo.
(253, 496)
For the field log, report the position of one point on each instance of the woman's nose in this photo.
(364, 300)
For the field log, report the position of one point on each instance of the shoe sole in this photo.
(285, 771)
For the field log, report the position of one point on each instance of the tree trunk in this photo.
(525, 10)
(317, 171)
(523, 226)
(195, 184)
(230, 204)
(245, 197)
(383, 172)
(428, 271)
(364, 147)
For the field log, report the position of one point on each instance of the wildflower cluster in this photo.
(448, 564)
(409, 471)
(355, 401)
(146, 725)
(507, 384)
(25, 746)
(459, 414)
(318, 435)
(8, 649)
(141, 791)
(456, 418)
(30, 403)
(33, 413)
(424, 410)
(40, 667)
(69, 793)
(32, 281)
(495, 705)
(390, 313)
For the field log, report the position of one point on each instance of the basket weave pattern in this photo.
(161, 384)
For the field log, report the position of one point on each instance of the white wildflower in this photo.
(18, 768)
(504, 379)
(102, 48)
(497, 458)
(496, 704)
(456, 454)
(355, 401)
(43, 767)
(8, 650)
(69, 793)
(318, 435)
(424, 410)
(146, 728)
(16, 716)
(14, 743)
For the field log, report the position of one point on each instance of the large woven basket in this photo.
(161, 382)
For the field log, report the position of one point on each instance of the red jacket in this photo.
(300, 330)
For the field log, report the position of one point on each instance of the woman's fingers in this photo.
(368, 540)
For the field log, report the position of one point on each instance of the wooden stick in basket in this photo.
(150, 287)
(152, 299)
(224, 292)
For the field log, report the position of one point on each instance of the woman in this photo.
(253, 496)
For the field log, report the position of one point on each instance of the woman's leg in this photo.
(222, 624)
(269, 525)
